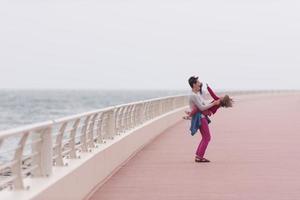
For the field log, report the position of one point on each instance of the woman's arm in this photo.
(201, 107)
(195, 110)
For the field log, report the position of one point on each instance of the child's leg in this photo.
(193, 111)
(212, 94)
(215, 97)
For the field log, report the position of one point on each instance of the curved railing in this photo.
(32, 151)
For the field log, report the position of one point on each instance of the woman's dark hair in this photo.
(193, 80)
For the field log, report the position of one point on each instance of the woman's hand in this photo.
(217, 102)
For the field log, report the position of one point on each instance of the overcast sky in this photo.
(157, 44)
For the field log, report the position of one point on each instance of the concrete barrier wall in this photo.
(92, 170)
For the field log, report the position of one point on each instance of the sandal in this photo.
(201, 160)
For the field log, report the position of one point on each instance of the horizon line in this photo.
(146, 89)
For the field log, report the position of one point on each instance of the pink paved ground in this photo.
(255, 154)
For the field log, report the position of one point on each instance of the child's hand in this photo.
(187, 112)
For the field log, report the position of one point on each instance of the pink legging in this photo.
(205, 138)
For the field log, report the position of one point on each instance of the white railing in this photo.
(33, 150)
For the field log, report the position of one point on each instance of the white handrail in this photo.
(56, 141)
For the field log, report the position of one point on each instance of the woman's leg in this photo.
(205, 138)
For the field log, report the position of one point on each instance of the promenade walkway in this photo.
(254, 153)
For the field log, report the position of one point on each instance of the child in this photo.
(226, 102)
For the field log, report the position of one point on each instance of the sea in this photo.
(23, 107)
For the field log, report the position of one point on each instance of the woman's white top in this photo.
(197, 99)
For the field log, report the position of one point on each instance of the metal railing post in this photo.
(16, 169)
(111, 123)
(46, 153)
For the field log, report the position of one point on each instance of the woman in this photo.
(196, 99)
